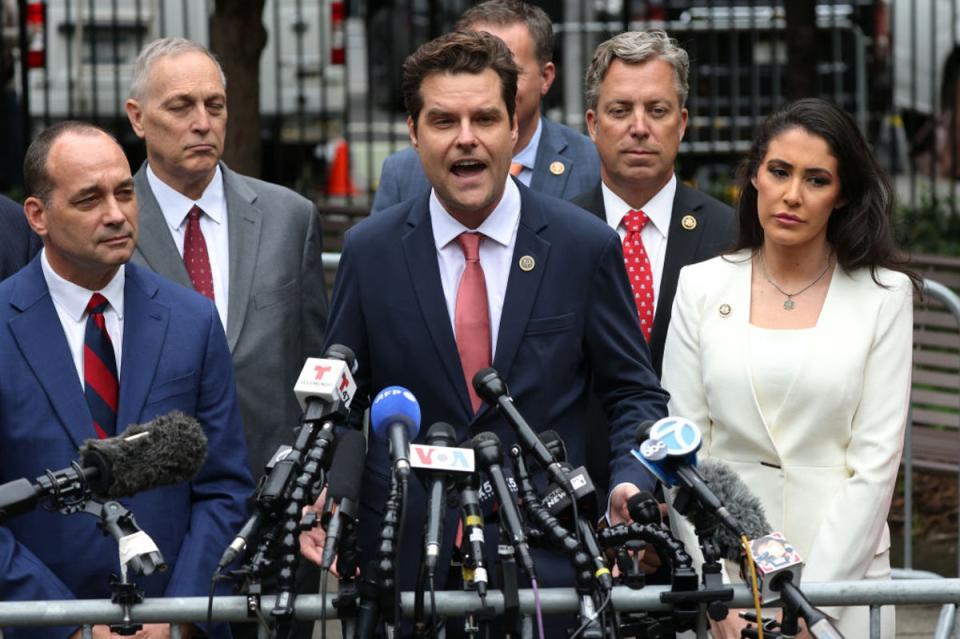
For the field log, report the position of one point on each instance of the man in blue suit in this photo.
(555, 312)
(168, 352)
(548, 157)
(18, 244)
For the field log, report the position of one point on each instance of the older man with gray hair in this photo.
(252, 247)
(636, 93)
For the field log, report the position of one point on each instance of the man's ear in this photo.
(548, 73)
(590, 117)
(412, 132)
(135, 115)
(35, 212)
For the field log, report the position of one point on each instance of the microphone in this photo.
(440, 459)
(486, 445)
(644, 509)
(396, 413)
(166, 450)
(325, 386)
(777, 563)
(489, 386)
(472, 557)
(668, 449)
(343, 492)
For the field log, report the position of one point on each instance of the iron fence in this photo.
(330, 72)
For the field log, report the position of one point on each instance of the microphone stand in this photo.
(379, 594)
(317, 462)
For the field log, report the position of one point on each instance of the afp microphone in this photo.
(439, 461)
(395, 414)
(343, 492)
(166, 450)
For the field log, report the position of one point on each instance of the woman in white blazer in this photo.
(793, 352)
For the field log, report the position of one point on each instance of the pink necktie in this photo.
(516, 169)
(472, 315)
(638, 269)
(195, 256)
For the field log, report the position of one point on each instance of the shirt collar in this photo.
(528, 156)
(499, 226)
(73, 299)
(175, 205)
(658, 209)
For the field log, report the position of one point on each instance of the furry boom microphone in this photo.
(166, 450)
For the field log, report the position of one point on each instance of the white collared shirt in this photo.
(71, 302)
(528, 155)
(496, 253)
(213, 223)
(658, 210)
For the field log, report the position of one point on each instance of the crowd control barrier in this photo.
(448, 604)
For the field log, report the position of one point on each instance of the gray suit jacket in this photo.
(277, 312)
(402, 176)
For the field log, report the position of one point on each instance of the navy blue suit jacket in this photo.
(18, 244)
(175, 357)
(402, 175)
(566, 321)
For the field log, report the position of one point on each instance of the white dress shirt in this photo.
(654, 234)
(213, 224)
(528, 155)
(71, 302)
(496, 253)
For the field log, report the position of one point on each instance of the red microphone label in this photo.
(455, 460)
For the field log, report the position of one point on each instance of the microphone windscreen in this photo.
(741, 503)
(554, 443)
(168, 449)
(644, 509)
(489, 385)
(395, 404)
(642, 432)
(441, 434)
(346, 469)
(341, 352)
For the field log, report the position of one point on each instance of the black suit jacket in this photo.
(714, 232)
(18, 244)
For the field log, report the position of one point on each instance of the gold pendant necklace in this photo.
(789, 304)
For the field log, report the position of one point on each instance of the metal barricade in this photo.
(449, 604)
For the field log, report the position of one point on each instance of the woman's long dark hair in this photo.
(861, 231)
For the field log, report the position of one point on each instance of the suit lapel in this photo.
(420, 251)
(144, 331)
(155, 245)
(592, 201)
(547, 178)
(246, 221)
(40, 336)
(522, 285)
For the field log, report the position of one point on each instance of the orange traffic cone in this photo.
(339, 183)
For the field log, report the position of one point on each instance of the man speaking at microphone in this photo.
(481, 271)
(89, 345)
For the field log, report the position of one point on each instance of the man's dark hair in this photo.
(459, 52)
(505, 13)
(36, 180)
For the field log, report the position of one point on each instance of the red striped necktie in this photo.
(101, 385)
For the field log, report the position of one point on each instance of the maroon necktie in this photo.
(472, 315)
(195, 256)
(638, 269)
(100, 384)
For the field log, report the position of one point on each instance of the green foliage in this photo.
(932, 227)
